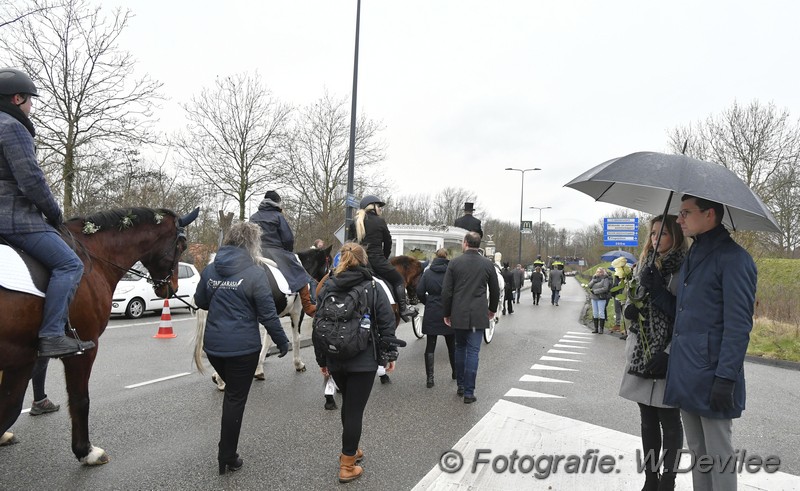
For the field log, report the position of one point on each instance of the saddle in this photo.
(386, 289)
(21, 272)
(278, 284)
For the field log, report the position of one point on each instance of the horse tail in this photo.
(198, 340)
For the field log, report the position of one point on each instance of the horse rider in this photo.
(277, 243)
(469, 222)
(31, 216)
(370, 230)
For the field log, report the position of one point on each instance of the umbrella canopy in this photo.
(611, 255)
(645, 181)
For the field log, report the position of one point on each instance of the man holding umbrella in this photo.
(713, 318)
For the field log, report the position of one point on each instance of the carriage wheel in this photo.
(416, 326)
(488, 334)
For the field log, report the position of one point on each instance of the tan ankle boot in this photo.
(348, 470)
(359, 455)
(305, 297)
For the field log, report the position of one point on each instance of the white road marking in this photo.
(156, 380)
(536, 378)
(151, 323)
(584, 333)
(576, 337)
(562, 352)
(573, 341)
(548, 367)
(554, 358)
(530, 393)
(570, 346)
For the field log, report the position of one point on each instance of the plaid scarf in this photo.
(656, 330)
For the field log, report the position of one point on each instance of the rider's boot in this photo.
(59, 346)
(305, 297)
(405, 310)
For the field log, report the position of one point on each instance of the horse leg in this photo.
(77, 370)
(12, 393)
(265, 342)
(295, 317)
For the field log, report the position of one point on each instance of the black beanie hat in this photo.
(273, 196)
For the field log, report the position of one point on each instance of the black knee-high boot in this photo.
(429, 369)
(602, 325)
(595, 325)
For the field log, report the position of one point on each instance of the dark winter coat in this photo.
(469, 222)
(277, 243)
(519, 278)
(429, 291)
(713, 318)
(236, 293)
(536, 282)
(24, 193)
(556, 279)
(600, 287)
(508, 279)
(464, 291)
(378, 243)
(381, 315)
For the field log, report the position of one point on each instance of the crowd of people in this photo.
(688, 310)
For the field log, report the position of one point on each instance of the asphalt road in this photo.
(163, 435)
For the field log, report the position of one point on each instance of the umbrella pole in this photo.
(661, 228)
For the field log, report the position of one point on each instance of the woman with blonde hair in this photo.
(370, 230)
(647, 354)
(355, 376)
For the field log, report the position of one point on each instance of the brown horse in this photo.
(108, 243)
(411, 270)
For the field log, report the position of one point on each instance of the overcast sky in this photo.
(468, 88)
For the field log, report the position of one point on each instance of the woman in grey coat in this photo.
(599, 292)
(647, 353)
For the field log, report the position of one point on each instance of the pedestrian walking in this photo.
(235, 291)
(429, 291)
(537, 278)
(508, 290)
(519, 281)
(555, 280)
(41, 404)
(466, 310)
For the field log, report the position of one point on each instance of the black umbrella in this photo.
(654, 182)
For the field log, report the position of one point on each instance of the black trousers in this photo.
(384, 269)
(355, 388)
(38, 377)
(658, 420)
(509, 302)
(237, 372)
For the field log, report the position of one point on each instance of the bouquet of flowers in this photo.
(629, 290)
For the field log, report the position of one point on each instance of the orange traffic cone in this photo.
(165, 328)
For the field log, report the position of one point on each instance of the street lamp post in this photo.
(521, 195)
(540, 208)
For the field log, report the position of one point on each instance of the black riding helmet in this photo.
(16, 82)
(369, 199)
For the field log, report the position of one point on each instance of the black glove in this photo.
(632, 312)
(722, 394)
(652, 280)
(392, 341)
(657, 366)
(283, 349)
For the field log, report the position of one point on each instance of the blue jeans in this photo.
(599, 308)
(468, 345)
(66, 270)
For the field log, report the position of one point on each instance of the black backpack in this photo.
(337, 323)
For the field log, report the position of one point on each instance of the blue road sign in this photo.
(621, 232)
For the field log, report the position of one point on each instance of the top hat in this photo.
(469, 206)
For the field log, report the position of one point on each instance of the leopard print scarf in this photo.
(656, 329)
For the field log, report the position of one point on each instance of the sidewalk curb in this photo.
(759, 360)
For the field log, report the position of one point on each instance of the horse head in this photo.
(162, 259)
(316, 262)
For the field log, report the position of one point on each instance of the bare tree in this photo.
(11, 12)
(314, 162)
(760, 144)
(90, 101)
(234, 131)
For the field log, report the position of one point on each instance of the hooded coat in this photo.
(429, 291)
(277, 243)
(236, 293)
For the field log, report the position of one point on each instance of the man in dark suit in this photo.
(469, 222)
(466, 310)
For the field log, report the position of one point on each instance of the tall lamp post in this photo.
(540, 208)
(521, 195)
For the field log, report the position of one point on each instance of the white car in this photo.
(134, 295)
